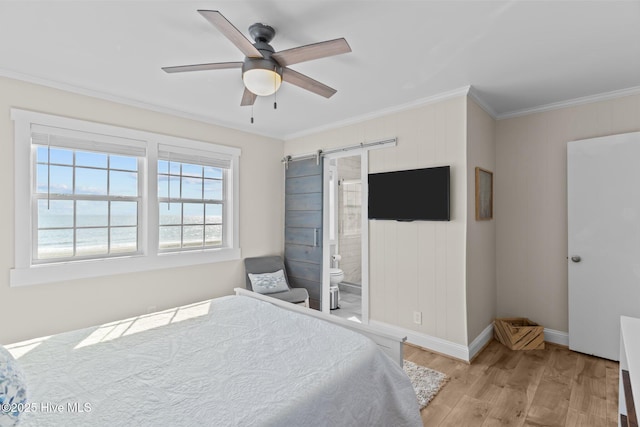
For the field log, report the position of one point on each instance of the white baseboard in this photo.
(481, 340)
(556, 337)
(457, 351)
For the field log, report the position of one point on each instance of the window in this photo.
(87, 203)
(191, 194)
(97, 200)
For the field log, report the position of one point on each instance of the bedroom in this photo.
(450, 122)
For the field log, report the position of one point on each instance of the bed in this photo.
(235, 360)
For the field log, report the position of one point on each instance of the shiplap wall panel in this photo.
(418, 266)
(407, 272)
(427, 276)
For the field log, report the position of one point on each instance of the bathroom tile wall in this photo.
(349, 239)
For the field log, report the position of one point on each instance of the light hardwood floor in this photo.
(551, 387)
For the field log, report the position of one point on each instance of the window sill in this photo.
(107, 267)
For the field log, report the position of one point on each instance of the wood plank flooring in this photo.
(551, 387)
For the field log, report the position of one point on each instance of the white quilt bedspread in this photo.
(231, 361)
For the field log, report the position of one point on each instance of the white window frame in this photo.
(26, 272)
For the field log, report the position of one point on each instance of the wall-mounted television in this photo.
(410, 195)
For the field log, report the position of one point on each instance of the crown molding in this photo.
(473, 94)
(463, 91)
(125, 101)
(605, 96)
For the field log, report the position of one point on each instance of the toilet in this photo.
(335, 276)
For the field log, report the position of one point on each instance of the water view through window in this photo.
(89, 204)
(191, 205)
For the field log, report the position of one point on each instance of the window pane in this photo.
(210, 172)
(170, 237)
(92, 213)
(97, 160)
(91, 181)
(91, 241)
(213, 214)
(174, 188)
(212, 189)
(124, 239)
(163, 167)
(193, 213)
(61, 179)
(191, 170)
(213, 235)
(193, 236)
(58, 155)
(55, 244)
(124, 213)
(174, 168)
(163, 186)
(124, 163)
(42, 155)
(170, 213)
(61, 156)
(191, 188)
(123, 183)
(42, 178)
(59, 214)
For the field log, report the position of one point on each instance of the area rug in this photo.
(426, 382)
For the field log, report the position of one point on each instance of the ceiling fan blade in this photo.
(311, 51)
(300, 80)
(203, 67)
(231, 32)
(248, 98)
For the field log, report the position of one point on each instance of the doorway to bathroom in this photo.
(346, 235)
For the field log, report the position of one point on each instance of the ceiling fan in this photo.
(264, 69)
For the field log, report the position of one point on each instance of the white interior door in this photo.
(603, 188)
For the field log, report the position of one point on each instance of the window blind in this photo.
(190, 155)
(77, 140)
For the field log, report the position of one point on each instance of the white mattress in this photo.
(228, 361)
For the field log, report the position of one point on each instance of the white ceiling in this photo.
(517, 55)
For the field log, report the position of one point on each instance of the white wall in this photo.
(531, 203)
(481, 235)
(418, 266)
(32, 311)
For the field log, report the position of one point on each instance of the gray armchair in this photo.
(270, 264)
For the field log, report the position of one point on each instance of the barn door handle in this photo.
(315, 237)
(576, 258)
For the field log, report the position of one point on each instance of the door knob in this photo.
(576, 258)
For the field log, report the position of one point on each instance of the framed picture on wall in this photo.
(484, 194)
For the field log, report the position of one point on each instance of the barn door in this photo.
(303, 227)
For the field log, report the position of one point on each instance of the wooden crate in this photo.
(519, 333)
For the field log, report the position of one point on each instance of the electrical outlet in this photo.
(417, 317)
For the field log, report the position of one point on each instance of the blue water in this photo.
(55, 241)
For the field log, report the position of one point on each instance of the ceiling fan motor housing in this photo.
(262, 34)
(265, 63)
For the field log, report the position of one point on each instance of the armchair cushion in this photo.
(264, 264)
(268, 283)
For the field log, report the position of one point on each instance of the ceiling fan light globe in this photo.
(262, 82)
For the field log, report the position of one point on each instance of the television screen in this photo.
(408, 195)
